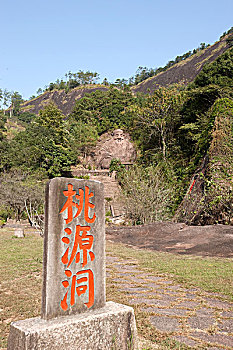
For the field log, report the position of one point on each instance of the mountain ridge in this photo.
(64, 101)
(182, 72)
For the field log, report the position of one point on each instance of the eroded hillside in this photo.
(184, 71)
(64, 101)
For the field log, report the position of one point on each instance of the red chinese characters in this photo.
(70, 204)
(83, 240)
(80, 282)
(78, 253)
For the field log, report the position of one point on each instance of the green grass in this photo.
(21, 280)
(209, 274)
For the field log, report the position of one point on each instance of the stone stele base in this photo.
(111, 327)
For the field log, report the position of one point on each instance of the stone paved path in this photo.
(196, 318)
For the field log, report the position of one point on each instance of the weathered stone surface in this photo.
(112, 190)
(170, 299)
(168, 312)
(223, 340)
(226, 326)
(19, 232)
(112, 259)
(74, 247)
(140, 299)
(186, 341)
(204, 312)
(189, 304)
(132, 289)
(211, 240)
(197, 318)
(227, 314)
(165, 324)
(111, 327)
(200, 322)
(218, 304)
(155, 278)
(117, 145)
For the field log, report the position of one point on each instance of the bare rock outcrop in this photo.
(116, 145)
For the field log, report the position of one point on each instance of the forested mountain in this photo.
(183, 135)
(188, 67)
(186, 70)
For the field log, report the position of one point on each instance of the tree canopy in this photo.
(173, 129)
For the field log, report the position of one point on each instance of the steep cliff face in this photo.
(64, 101)
(184, 71)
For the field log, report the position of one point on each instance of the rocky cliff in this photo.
(184, 71)
(64, 101)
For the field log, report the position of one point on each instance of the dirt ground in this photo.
(178, 238)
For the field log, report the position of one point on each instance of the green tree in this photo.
(4, 154)
(78, 78)
(155, 120)
(26, 117)
(104, 109)
(82, 136)
(105, 82)
(219, 195)
(16, 100)
(1, 96)
(37, 149)
(43, 146)
(121, 83)
(21, 192)
(194, 125)
(2, 126)
(6, 98)
(52, 118)
(219, 72)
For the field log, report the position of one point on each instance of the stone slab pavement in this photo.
(189, 315)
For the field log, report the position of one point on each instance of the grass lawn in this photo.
(20, 281)
(21, 277)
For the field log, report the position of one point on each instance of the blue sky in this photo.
(43, 40)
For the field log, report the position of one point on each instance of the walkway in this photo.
(190, 316)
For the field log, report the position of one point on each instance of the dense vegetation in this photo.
(105, 110)
(219, 73)
(174, 129)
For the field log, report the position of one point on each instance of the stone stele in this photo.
(74, 246)
(74, 313)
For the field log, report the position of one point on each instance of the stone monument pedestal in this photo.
(110, 327)
(74, 312)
